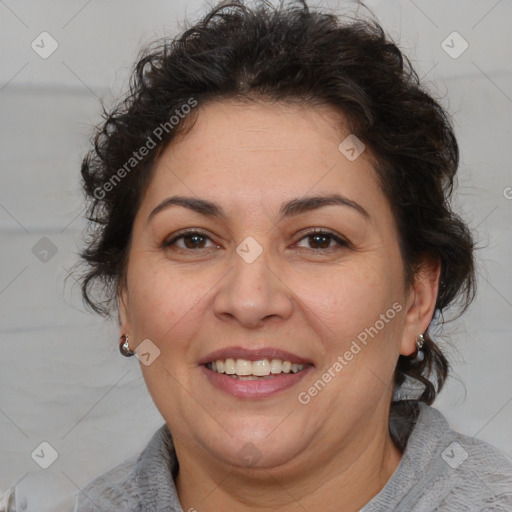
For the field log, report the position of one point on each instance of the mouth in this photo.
(254, 373)
(244, 369)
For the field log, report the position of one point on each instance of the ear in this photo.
(421, 303)
(122, 303)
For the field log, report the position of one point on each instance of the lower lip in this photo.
(254, 388)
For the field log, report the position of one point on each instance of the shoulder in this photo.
(139, 483)
(114, 489)
(441, 469)
(462, 473)
(479, 471)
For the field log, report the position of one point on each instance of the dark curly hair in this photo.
(288, 52)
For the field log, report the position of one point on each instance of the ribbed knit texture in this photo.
(434, 474)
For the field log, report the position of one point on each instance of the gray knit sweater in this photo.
(440, 470)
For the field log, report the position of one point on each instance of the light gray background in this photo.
(62, 378)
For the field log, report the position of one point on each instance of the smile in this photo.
(244, 369)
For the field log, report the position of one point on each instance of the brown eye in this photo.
(192, 240)
(318, 240)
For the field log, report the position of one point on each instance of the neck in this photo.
(345, 477)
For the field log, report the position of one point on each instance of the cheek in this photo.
(350, 298)
(155, 302)
(358, 314)
(165, 304)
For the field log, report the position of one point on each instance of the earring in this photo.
(124, 348)
(420, 340)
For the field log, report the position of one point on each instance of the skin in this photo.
(334, 453)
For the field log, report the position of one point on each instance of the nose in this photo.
(253, 294)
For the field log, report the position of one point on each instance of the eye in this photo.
(189, 240)
(318, 240)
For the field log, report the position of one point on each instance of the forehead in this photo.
(241, 154)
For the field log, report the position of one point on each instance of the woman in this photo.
(270, 220)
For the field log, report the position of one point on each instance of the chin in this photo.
(250, 451)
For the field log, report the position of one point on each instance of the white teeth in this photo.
(243, 367)
(229, 366)
(276, 365)
(261, 368)
(248, 369)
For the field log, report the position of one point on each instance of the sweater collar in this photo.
(157, 468)
(414, 426)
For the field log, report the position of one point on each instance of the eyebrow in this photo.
(305, 204)
(288, 209)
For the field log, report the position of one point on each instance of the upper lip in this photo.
(253, 355)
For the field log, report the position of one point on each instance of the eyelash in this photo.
(317, 231)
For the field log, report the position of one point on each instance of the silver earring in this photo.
(420, 340)
(124, 348)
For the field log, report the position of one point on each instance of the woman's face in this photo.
(259, 240)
